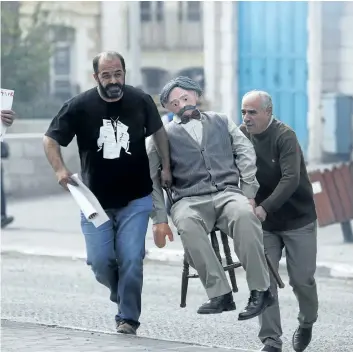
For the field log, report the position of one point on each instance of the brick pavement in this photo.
(26, 337)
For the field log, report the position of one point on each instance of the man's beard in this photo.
(111, 90)
(186, 108)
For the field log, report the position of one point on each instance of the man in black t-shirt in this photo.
(111, 122)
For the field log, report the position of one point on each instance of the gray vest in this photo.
(209, 168)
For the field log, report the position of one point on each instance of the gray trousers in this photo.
(231, 212)
(301, 247)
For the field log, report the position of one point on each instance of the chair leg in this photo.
(215, 245)
(184, 283)
(229, 261)
(233, 280)
(274, 272)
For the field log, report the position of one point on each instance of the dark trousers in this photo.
(301, 248)
(3, 196)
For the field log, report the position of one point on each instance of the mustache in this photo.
(186, 108)
(112, 90)
(113, 85)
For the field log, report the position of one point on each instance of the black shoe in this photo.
(269, 348)
(301, 338)
(6, 220)
(218, 305)
(258, 302)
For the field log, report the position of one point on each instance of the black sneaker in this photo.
(258, 302)
(218, 305)
(301, 338)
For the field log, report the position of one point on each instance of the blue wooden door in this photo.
(272, 56)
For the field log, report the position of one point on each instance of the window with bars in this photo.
(146, 11)
(193, 11)
(189, 11)
(61, 61)
(160, 11)
(180, 11)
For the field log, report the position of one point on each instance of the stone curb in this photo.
(167, 256)
(144, 343)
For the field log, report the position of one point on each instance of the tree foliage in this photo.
(25, 53)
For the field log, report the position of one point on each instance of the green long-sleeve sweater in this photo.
(285, 190)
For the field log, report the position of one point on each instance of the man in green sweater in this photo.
(285, 206)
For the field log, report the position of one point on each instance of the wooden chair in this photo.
(230, 267)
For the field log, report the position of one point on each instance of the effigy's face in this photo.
(182, 102)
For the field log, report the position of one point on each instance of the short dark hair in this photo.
(107, 55)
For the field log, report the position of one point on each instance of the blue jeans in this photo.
(115, 252)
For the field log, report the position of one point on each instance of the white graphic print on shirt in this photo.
(113, 137)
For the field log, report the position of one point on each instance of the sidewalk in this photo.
(50, 226)
(25, 337)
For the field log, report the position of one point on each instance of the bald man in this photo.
(285, 206)
(210, 157)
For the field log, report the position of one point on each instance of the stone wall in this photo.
(27, 172)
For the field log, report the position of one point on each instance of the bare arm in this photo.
(53, 152)
(61, 131)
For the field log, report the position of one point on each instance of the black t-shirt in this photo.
(114, 180)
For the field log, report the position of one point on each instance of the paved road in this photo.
(39, 338)
(63, 292)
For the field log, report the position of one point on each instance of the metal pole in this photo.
(351, 158)
(347, 232)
